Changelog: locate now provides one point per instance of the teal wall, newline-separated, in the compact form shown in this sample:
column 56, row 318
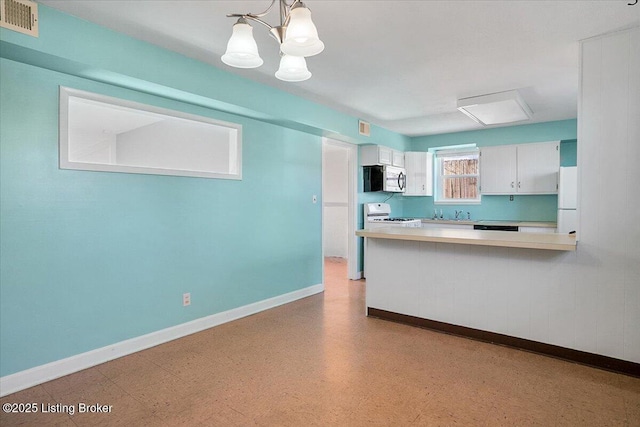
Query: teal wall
column 94, row 258
column 537, row 132
column 88, row 259
column 569, row 153
column 522, row 208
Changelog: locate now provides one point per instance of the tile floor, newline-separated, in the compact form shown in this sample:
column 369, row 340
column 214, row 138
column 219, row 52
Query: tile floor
column 320, row 361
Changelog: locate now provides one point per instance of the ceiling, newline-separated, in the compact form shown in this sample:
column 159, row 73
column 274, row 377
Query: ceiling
column 401, row 65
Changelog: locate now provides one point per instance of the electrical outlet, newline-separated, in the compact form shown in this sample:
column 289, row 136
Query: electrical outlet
column 186, row 299
column 511, row 198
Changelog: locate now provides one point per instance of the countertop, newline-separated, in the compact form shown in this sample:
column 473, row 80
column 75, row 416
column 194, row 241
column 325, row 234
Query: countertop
column 508, row 239
column 539, row 224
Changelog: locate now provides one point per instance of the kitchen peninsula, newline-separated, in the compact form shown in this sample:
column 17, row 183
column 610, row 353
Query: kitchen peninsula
column 548, row 241
column 496, row 286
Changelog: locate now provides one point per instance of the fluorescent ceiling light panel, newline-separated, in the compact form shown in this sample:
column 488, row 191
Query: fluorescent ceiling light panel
column 496, row 108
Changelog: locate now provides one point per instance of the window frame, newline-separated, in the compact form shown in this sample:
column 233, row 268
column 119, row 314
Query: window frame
column 439, row 156
column 65, row 93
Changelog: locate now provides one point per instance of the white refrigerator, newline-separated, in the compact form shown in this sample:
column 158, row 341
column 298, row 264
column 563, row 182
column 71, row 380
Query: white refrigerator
column 567, row 199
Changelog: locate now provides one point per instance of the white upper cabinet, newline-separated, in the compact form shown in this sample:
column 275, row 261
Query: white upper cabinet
column 398, row 159
column 419, row 166
column 372, row 155
column 520, row 169
column 498, row 173
column 538, row 168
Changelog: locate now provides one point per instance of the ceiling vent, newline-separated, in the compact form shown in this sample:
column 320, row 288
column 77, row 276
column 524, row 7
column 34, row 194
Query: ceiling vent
column 19, row 15
column 364, row 128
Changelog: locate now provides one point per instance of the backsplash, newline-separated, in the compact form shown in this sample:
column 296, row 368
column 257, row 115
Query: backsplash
column 522, row 208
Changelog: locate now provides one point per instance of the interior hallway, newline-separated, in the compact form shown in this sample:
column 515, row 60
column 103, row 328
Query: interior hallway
column 321, row 361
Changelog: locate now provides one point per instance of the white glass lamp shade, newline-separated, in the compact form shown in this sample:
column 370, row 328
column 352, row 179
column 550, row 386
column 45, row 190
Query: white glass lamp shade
column 301, row 37
column 242, row 50
column 293, row 69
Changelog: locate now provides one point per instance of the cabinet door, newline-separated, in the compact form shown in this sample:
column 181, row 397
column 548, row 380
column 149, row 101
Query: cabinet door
column 411, row 165
column 419, row 166
column 538, row 167
column 427, row 185
column 371, row 155
column 398, row 158
column 498, row 170
column 385, row 155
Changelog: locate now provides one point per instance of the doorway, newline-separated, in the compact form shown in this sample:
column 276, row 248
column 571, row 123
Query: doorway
column 339, row 192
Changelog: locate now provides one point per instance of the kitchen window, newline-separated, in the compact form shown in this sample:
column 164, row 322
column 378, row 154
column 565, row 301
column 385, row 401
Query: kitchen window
column 457, row 177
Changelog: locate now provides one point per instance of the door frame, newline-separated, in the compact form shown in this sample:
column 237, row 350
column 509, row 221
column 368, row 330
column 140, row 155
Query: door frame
column 352, row 214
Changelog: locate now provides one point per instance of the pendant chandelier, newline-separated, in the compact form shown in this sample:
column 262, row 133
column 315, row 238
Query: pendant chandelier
column 296, row 35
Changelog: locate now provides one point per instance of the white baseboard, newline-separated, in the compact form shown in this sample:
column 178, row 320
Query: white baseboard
column 43, row 373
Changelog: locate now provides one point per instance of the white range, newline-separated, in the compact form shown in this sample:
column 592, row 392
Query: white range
column 378, row 215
